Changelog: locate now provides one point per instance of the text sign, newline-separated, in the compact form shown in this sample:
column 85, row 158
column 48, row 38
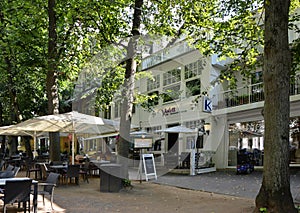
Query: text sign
column 207, row 104
column 142, row 142
column 149, row 166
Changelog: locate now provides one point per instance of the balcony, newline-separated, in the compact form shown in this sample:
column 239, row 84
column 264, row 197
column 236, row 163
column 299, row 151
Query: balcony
column 250, row 94
column 166, row 54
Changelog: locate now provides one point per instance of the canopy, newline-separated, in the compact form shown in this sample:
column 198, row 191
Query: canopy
column 73, row 122
column 68, row 122
column 177, row 129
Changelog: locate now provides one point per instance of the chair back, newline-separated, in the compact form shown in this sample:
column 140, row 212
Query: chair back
column 7, row 174
column 2, row 162
column 16, row 170
column 44, row 170
column 53, row 179
column 9, row 168
column 73, row 171
column 17, row 191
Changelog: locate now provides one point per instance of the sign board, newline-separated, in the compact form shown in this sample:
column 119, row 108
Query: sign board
column 142, row 142
column 149, row 166
column 207, row 104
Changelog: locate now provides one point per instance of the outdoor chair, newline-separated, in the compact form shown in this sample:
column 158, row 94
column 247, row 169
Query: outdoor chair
column 94, row 169
column 31, row 167
column 9, row 168
column 72, row 173
column 47, row 187
column 2, row 162
column 85, row 171
column 16, row 170
column 16, row 191
column 8, row 172
column 44, row 171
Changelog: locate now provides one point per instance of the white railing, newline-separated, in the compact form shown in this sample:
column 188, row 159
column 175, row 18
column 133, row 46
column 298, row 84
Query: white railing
column 250, row 94
column 166, row 54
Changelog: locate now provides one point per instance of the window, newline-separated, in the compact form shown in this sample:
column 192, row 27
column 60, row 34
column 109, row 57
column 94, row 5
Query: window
column 257, row 77
column 193, row 87
column 171, row 93
column 194, row 69
column 153, row 100
column 117, row 110
column 153, row 83
column 172, row 76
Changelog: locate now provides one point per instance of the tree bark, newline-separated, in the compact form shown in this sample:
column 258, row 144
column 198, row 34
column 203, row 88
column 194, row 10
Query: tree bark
column 275, row 194
column 128, row 88
column 51, row 81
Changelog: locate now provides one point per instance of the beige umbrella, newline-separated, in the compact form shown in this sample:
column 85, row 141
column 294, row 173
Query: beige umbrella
column 72, row 122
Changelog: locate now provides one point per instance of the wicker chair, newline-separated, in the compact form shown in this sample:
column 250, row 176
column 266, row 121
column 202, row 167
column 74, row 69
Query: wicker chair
column 47, row 187
column 17, row 191
column 73, row 173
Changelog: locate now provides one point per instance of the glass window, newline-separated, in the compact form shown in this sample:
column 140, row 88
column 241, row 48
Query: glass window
column 117, row 110
column 257, row 77
column 153, row 83
column 194, row 69
column 172, row 76
column 193, row 87
column 171, row 93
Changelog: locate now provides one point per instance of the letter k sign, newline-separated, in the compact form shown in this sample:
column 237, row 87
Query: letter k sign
column 207, row 104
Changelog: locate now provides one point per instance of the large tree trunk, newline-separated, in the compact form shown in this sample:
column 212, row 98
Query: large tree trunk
column 128, row 88
column 275, row 194
column 51, row 81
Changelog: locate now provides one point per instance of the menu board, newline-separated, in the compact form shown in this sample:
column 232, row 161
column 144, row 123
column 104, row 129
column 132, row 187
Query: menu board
column 149, row 166
column 142, row 142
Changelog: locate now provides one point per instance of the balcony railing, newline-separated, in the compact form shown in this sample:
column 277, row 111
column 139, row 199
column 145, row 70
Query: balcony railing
column 166, row 54
column 250, row 94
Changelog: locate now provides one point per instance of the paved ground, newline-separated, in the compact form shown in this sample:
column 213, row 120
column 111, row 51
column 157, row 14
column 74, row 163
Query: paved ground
column 221, row 191
column 227, row 182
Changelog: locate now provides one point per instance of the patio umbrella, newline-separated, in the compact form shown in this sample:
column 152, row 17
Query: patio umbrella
column 72, row 122
column 177, row 129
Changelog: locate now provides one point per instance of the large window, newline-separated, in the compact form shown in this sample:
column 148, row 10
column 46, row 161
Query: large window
column 117, row 110
column 194, row 69
column 171, row 93
column 153, row 83
column 172, row 76
column 193, row 87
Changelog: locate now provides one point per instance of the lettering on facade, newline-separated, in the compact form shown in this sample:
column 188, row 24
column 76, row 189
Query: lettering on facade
column 207, row 104
column 169, row 111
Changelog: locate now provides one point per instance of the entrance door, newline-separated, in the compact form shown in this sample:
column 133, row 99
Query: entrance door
column 173, row 148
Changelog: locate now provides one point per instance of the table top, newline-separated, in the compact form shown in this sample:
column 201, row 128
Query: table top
column 100, row 161
column 3, row 180
column 59, row 166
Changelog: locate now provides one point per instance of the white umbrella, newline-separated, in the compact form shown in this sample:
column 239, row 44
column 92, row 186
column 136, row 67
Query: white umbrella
column 73, row 122
column 177, row 129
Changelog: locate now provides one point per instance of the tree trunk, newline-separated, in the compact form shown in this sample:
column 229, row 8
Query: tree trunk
column 128, row 88
column 51, row 81
column 275, row 194
column 28, row 149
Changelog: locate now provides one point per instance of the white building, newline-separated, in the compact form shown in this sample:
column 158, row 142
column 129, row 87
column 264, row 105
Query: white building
column 183, row 79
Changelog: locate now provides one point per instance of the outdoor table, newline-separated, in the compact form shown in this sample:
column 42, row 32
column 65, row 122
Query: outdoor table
column 59, row 168
column 35, row 188
column 98, row 163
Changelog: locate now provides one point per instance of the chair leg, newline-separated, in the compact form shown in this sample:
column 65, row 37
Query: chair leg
column 44, row 200
column 51, row 199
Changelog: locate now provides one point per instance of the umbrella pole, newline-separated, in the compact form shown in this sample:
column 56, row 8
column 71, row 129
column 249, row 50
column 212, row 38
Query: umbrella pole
column 73, row 148
column 34, row 144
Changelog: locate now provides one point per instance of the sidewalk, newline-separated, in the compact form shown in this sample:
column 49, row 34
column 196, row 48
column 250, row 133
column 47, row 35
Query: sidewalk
column 223, row 182
column 227, row 182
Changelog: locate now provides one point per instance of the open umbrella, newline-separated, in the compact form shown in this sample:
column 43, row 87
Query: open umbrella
column 72, row 122
column 177, row 129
